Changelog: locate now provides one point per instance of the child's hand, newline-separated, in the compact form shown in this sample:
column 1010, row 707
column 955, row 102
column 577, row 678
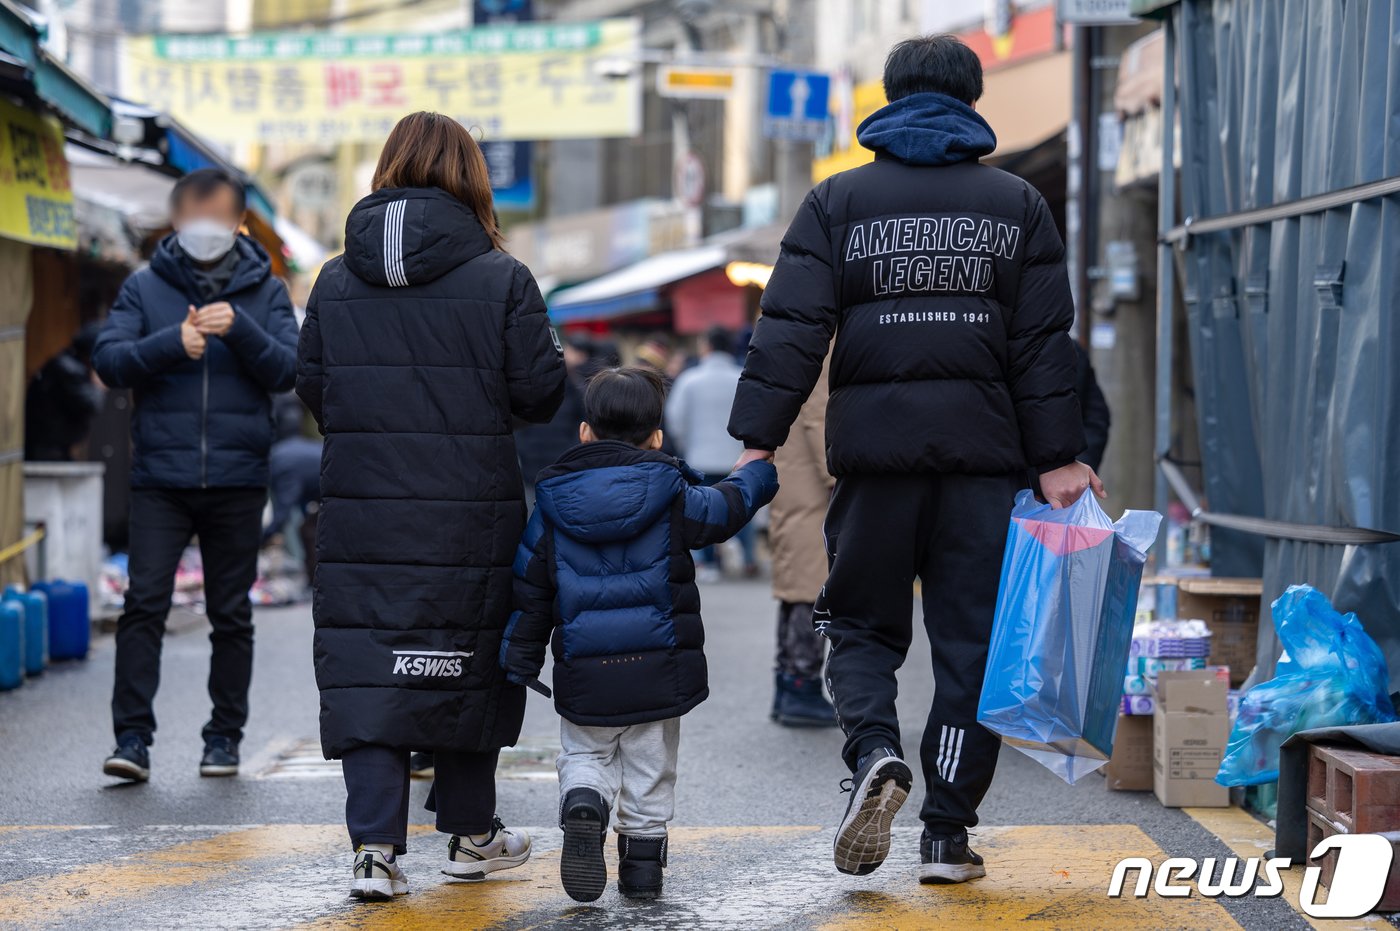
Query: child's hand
column 753, row 455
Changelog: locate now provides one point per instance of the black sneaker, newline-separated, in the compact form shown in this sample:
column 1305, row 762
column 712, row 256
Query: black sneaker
column 584, row 817
column 220, row 757
column 131, row 760
column 640, row 861
column 802, row 703
column 881, row 784
column 421, row 765
column 947, row 859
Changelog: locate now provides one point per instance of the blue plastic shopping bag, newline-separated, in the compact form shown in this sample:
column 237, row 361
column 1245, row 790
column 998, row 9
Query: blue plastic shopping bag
column 1332, row 674
column 1064, row 622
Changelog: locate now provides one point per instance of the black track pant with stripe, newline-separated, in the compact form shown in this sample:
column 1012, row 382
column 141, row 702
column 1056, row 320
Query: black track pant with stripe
column 883, row 532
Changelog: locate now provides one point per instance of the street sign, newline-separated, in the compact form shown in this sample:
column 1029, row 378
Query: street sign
column 508, row 163
column 687, row 81
column 501, row 12
column 1095, row 12
column 688, row 180
column 798, row 105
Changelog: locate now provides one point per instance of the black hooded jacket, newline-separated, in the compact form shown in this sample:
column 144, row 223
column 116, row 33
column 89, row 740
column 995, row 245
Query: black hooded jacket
column 944, row 284
column 207, row 422
column 420, row 345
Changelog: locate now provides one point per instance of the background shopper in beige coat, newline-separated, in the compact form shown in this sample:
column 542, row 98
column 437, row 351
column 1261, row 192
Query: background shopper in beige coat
column 800, row 565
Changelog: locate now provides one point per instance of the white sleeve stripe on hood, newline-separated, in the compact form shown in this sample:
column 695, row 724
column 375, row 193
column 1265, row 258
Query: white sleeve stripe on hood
column 393, row 244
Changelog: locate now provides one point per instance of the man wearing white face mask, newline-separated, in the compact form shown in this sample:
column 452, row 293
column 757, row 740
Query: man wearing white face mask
column 203, row 336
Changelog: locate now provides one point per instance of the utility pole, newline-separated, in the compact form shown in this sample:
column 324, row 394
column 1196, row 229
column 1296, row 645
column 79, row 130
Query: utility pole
column 793, row 171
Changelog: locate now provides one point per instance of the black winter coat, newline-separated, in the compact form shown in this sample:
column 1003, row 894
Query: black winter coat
column 420, row 345
column 539, row 445
column 944, row 283
column 199, row 423
column 605, row 571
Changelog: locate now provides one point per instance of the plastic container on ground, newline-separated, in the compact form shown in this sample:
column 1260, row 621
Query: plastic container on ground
column 11, row 645
column 36, row 627
column 70, row 618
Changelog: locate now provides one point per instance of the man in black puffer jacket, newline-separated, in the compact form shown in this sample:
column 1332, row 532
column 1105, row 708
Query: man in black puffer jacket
column 203, row 336
column 952, row 375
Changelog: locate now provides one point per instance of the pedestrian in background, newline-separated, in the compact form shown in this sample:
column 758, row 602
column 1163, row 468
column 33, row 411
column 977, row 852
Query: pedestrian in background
column 605, row 558
column 1093, row 407
column 421, row 344
column 799, row 566
column 62, row 401
column 540, row 444
column 943, row 282
column 203, row 336
column 697, row 414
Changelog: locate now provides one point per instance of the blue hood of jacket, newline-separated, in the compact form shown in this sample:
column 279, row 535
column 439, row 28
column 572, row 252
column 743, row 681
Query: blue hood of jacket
column 608, row 491
column 927, row 129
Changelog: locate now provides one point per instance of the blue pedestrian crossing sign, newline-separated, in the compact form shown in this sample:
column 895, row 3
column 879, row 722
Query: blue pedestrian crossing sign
column 798, row 105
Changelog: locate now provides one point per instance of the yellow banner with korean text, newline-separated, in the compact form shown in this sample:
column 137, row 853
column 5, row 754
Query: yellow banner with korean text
column 36, row 197
column 532, row 81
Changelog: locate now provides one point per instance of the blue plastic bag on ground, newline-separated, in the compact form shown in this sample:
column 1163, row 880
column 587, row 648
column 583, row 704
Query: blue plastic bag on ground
column 1063, row 626
column 1332, row 674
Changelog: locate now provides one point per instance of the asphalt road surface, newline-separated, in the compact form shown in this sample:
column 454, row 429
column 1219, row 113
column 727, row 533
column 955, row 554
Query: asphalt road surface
column 756, row 804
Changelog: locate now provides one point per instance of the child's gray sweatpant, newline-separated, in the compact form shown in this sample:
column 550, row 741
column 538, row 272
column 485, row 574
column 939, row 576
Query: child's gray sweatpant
column 634, row 766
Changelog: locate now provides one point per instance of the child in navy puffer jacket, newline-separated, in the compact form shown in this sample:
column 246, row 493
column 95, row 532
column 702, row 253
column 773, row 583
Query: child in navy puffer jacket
column 604, row 572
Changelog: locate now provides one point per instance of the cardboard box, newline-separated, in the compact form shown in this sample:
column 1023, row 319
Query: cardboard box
column 1190, row 728
column 1230, row 607
column 1130, row 767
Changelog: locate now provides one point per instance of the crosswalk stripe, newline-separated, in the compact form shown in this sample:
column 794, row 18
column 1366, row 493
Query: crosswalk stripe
column 279, row 876
column 186, row 864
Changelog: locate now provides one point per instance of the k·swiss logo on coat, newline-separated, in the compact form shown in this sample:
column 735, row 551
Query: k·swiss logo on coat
column 428, row 663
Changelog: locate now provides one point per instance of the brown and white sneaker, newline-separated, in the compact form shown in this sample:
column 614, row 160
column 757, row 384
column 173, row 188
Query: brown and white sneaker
column 879, row 787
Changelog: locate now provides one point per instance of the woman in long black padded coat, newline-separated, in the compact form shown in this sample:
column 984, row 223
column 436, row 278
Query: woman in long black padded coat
column 421, row 344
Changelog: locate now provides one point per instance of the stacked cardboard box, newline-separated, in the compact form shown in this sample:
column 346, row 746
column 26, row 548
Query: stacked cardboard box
column 1190, row 727
column 1230, row 607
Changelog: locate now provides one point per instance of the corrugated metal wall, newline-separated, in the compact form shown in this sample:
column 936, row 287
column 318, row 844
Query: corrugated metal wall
column 1296, row 323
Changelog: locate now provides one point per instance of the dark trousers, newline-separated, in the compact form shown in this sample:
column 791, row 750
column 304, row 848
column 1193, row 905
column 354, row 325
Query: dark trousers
column 801, row 649
column 228, row 522
column 376, row 799
column 949, row 531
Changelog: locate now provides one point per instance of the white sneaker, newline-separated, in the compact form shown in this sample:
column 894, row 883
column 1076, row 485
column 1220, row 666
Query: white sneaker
column 505, row 848
column 376, row 877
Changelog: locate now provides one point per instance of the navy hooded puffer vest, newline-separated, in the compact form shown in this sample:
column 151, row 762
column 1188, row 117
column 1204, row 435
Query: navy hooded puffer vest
column 605, row 572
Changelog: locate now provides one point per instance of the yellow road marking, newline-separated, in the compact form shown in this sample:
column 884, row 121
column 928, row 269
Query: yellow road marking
column 46, row 898
column 1052, row 875
column 739, row 877
column 1246, row 836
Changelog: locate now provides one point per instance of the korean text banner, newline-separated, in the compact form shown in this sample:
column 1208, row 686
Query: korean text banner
column 533, row 81
column 36, row 198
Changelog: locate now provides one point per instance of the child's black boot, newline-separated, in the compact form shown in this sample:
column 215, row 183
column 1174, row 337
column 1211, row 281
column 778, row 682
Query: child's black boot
column 584, row 817
column 640, row 861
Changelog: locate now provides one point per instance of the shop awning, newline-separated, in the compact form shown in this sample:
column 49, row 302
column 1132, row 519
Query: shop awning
column 636, row 289
column 116, row 203
column 77, row 102
column 183, row 151
column 304, row 250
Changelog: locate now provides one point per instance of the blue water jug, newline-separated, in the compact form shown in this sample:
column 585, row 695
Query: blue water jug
column 36, row 628
column 11, row 645
column 70, row 627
